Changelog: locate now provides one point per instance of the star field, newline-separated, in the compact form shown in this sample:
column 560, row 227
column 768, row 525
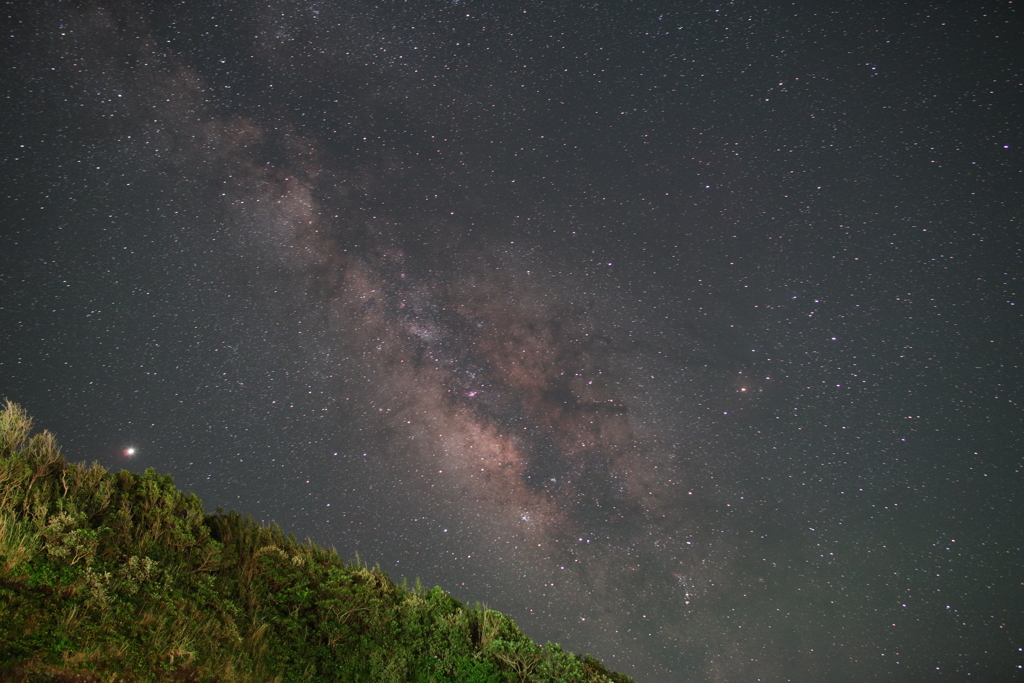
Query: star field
column 686, row 334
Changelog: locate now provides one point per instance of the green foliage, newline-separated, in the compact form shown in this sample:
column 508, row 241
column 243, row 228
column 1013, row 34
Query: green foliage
column 123, row 577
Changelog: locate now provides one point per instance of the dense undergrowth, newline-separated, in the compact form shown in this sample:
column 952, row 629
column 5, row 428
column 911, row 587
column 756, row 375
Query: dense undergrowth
column 122, row 577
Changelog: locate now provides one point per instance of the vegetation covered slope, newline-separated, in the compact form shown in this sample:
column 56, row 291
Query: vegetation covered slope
column 123, row 577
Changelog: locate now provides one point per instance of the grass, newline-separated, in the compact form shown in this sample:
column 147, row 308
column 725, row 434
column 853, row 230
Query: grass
column 122, row 577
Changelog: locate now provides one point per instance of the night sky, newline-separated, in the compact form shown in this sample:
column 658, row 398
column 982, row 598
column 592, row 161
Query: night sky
column 686, row 333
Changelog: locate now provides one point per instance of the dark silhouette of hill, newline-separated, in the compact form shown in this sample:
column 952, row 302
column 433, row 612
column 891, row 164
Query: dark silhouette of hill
column 123, row 577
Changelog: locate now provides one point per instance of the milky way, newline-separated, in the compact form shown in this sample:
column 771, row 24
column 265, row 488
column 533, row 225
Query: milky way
column 687, row 335
column 520, row 385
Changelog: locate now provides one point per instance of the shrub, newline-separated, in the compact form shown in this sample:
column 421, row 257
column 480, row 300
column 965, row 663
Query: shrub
column 123, row 577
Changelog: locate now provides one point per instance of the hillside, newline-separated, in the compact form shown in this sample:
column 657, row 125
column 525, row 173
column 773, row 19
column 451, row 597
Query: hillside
column 123, row 577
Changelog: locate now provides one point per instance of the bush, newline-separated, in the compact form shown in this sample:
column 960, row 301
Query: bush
column 123, row 577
